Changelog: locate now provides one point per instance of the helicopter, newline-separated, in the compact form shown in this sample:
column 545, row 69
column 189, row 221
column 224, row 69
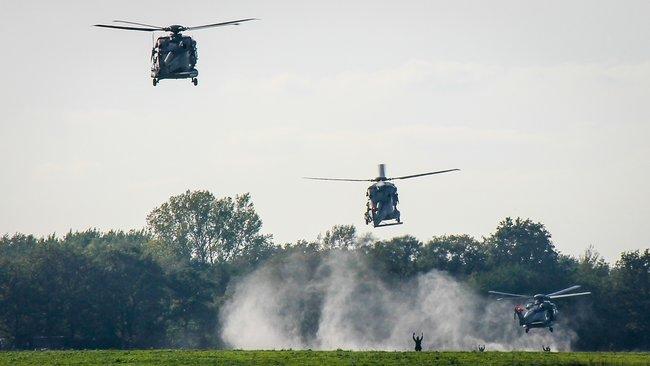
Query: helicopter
column 173, row 56
column 539, row 311
column 381, row 208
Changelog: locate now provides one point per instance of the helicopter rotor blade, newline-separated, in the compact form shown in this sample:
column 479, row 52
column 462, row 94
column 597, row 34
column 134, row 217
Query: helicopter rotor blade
column 575, row 287
column 341, row 179
column 508, row 294
column 233, row 22
column 423, row 174
column 570, row 295
column 128, row 28
column 134, row 23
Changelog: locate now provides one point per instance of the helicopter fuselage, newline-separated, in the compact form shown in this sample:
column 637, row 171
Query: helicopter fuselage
column 536, row 315
column 382, row 204
column 174, row 57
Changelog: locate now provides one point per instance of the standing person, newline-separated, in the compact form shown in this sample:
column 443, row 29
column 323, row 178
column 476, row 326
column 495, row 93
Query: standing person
column 418, row 342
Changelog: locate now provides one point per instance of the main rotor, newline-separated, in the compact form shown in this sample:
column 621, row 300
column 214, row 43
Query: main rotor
column 174, row 29
column 382, row 176
column 543, row 297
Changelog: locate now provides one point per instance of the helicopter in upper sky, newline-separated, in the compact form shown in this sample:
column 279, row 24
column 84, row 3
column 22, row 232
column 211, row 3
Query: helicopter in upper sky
column 539, row 311
column 173, row 56
column 382, row 196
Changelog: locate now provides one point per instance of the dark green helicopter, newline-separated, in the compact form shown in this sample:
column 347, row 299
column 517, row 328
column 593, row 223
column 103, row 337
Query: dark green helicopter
column 382, row 196
column 173, row 56
column 539, row 311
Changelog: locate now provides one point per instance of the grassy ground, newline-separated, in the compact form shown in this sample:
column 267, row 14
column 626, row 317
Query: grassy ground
column 178, row 357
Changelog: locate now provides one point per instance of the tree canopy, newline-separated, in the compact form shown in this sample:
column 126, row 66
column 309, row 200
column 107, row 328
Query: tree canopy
column 197, row 226
column 163, row 286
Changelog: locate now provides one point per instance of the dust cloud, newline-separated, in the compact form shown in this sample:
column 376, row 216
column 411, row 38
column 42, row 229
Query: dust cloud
column 337, row 301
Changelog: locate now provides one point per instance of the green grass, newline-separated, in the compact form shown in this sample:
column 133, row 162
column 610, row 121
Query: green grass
column 182, row 357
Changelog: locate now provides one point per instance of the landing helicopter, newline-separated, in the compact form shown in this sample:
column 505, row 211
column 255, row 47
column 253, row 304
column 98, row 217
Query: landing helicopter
column 539, row 311
column 173, row 56
column 382, row 196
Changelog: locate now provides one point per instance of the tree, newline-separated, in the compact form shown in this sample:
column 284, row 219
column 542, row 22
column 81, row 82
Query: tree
column 396, row 258
column 197, row 226
column 192, row 314
column 340, row 237
column 92, row 289
column 457, row 254
column 631, row 291
column 132, row 298
column 108, row 289
column 594, row 315
column 522, row 242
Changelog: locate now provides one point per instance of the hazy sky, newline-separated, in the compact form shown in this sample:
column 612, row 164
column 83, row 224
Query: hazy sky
column 544, row 105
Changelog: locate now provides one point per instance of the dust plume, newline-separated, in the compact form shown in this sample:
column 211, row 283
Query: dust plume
column 339, row 302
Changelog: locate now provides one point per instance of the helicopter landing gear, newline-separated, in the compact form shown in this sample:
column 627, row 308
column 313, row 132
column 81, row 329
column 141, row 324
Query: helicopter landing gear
column 155, row 81
column 550, row 329
column 195, row 81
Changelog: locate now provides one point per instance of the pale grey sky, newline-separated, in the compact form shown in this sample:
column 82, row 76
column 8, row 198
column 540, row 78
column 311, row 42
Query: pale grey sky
column 544, row 105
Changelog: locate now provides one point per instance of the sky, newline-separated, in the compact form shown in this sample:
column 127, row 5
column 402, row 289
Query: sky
column 544, row 106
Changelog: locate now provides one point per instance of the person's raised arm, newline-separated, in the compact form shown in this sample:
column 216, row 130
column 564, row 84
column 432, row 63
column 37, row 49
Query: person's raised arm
column 414, row 337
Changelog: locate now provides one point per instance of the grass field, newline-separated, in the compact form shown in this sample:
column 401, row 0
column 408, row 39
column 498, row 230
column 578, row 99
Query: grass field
column 182, row 357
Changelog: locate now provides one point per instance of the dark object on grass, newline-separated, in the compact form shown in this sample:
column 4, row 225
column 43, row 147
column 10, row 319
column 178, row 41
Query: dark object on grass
column 418, row 342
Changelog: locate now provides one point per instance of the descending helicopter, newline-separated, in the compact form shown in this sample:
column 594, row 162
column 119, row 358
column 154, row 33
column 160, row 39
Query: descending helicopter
column 382, row 196
column 173, row 56
column 539, row 311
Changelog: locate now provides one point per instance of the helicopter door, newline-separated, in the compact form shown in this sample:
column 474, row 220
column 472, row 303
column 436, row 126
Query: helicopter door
column 160, row 52
column 371, row 205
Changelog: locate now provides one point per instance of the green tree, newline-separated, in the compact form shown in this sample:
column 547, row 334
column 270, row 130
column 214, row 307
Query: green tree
column 631, row 278
column 192, row 315
column 456, row 254
column 396, row 258
column 340, row 237
column 522, row 242
column 197, row 226
column 594, row 316
column 132, row 298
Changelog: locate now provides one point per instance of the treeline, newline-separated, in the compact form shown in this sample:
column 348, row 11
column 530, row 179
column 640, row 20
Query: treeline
column 164, row 286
